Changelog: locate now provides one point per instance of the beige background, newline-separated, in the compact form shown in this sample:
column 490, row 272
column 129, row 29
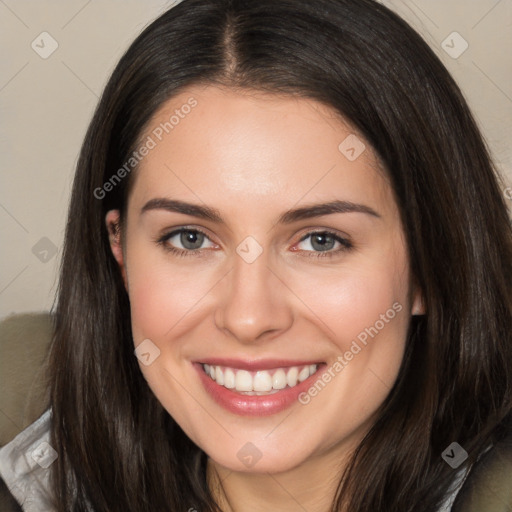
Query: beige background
column 46, row 104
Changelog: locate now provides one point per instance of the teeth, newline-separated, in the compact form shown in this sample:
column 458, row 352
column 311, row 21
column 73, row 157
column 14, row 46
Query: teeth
column 291, row 376
column 219, row 376
column 243, row 381
column 229, row 378
column 261, row 382
column 304, row 374
column 279, row 379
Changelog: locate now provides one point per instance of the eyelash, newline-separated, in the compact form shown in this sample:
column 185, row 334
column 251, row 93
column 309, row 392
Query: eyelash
column 346, row 245
column 181, row 252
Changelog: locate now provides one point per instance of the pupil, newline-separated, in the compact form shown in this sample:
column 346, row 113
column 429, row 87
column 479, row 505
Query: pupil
column 191, row 239
column 322, row 242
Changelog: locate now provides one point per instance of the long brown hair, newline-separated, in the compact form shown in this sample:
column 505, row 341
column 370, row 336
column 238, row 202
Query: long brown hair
column 119, row 450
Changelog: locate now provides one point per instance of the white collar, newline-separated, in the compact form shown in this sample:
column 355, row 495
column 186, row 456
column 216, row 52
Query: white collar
column 24, row 464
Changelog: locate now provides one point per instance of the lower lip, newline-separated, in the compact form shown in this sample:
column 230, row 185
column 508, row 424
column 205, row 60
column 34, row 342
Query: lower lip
column 254, row 405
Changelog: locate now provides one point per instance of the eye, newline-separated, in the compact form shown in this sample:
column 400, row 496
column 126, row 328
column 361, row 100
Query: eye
column 324, row 243
column 190, row 242
column 185, row 240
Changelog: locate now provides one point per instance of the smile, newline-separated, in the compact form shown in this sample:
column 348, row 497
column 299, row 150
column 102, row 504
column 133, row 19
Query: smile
column 256, row 388
column 261, row 382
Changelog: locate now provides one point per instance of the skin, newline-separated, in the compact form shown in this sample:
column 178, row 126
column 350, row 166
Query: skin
column 253, row 156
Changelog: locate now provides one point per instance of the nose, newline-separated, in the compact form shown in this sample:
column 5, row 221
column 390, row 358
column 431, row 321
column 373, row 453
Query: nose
column 255, row 304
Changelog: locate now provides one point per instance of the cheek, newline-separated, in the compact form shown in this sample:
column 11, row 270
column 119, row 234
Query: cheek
column 364, row 313
column 163, row 296
column 363, row 310
column 349, row 303
column 159, row 305
column 166, row 303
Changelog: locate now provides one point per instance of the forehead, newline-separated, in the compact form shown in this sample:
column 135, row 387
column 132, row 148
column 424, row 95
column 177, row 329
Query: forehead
column 210, row 142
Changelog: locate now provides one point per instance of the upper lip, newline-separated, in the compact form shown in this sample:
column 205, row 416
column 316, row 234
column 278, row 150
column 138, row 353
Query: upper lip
column 254, row 365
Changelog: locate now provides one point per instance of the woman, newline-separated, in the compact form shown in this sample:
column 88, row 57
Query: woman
column 286, row 276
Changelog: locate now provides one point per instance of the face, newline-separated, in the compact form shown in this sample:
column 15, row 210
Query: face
column 263, row 247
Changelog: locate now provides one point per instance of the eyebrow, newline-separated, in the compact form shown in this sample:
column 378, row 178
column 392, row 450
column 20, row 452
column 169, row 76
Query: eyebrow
column 289, row 217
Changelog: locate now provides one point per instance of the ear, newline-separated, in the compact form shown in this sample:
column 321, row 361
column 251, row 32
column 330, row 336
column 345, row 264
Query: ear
column 418, row 303
column 113, row 223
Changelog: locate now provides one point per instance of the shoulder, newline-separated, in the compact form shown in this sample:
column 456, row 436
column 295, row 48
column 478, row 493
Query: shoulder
column 24, row 466
column 488, row 485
